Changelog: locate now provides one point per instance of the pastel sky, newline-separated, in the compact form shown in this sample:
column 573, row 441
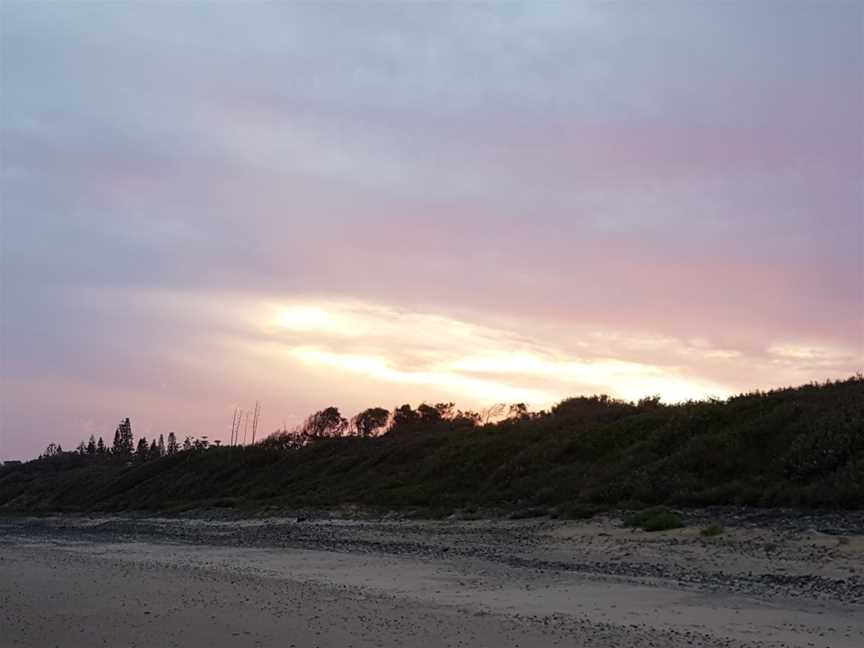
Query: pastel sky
column 205, row 204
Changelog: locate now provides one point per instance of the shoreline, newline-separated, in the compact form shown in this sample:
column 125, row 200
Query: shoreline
column 585, row 583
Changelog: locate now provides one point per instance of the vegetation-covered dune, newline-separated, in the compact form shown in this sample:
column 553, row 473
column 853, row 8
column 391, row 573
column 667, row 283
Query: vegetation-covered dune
column 799, row 447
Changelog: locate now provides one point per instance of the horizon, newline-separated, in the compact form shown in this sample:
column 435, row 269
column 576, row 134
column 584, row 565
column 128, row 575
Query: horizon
column 495, row 414
column 320, row 205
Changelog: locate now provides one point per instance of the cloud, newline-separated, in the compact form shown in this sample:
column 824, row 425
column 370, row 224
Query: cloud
column 477, row 363
column 474, row 362
column 815, row 357
column 319, row 203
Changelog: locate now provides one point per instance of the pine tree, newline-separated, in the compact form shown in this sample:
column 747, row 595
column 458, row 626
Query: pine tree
column 81, row 449
column 187, row 443
column 91, row 446
column 52, row 450
column 124, row 443
column 172, row 444
column 142, row 450
column 153, row 453
column 126, row 434
column 161, row 446
column 100, row 447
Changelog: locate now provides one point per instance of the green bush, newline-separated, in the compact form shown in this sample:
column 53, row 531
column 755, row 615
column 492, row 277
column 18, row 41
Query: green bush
column 654, row 519
column 711, row 531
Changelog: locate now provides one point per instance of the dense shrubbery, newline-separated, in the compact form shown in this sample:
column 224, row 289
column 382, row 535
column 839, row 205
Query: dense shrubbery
column 789, row 447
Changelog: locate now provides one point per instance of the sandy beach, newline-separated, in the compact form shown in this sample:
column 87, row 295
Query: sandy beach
column 81, row 581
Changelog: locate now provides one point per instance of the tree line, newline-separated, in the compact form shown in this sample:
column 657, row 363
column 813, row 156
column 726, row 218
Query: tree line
column 328, row 423
column 801, row 446
column 125, row 448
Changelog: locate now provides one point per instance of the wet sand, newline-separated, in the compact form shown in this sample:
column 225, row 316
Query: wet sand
column 121, row 581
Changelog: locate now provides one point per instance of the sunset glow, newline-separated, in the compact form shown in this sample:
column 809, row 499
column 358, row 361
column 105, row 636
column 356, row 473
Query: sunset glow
column 323, row 204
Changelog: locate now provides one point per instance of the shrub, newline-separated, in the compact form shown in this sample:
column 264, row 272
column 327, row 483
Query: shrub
column 657, row 518
column 711, row 531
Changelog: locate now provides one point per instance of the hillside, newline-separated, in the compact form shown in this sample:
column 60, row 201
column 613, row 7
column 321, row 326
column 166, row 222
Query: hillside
column 798, row 447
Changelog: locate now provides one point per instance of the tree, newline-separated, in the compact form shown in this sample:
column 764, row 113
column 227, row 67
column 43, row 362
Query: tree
column 518, row 411
column 81, row 449
column 434, row 413
column 367, row 422
column 428, row 414
column 161, row 446
column 187, row 443
column 142, row 450
column 649, row 402
column 52, row 450
column 404, row 416
column 153, row 452
column 326, row 424
column 123, row 439
column 172, row 447
column 493, row 412
column 284, row 440
column 466, row 418
column 100, row 447
column 91, row 446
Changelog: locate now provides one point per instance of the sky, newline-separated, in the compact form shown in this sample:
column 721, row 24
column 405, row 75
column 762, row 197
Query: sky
column 373, row 203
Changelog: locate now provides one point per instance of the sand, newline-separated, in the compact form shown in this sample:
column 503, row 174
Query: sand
column 120, row 581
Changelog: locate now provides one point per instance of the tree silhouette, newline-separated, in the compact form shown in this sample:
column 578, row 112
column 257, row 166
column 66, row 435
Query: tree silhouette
column 142, row 450
column 367, row 422
column 403, row 417
column 435, row 413
column 123, row 440
column 172, row 447
column 161, row 446
column 467, row 418
column 53, row 450
column 494, row 412
column 100, row 447
column 649, row 402
column 91, row 446
column 284, row 440
column 326, row 424
column 518, row 411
